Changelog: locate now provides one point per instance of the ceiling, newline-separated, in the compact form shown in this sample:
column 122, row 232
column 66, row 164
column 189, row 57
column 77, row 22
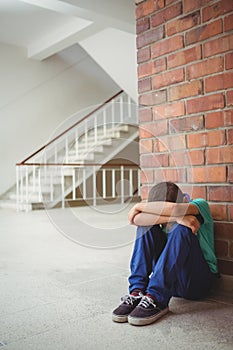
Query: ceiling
column 45, row 27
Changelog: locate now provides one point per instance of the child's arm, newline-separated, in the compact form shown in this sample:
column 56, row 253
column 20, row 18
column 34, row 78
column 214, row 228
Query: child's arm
column 145, row 219
column 164, row 209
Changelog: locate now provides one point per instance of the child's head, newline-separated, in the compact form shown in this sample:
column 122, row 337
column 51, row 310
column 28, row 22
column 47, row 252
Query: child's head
column 166, row 192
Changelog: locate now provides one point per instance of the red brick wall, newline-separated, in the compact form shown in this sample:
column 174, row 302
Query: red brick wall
column 185, row 84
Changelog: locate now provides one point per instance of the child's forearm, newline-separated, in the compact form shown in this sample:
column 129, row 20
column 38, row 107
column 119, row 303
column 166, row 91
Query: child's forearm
column 145, row 219
column 167, row 208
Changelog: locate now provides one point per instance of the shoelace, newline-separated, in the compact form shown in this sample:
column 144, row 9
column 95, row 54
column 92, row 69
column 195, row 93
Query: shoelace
column 146, row 302
column 129, row 299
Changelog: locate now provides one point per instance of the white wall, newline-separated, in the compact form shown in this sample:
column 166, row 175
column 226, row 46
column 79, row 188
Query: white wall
column 36, row 97
column 115, row 51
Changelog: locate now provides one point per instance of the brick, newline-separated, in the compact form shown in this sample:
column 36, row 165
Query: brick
column 230, row 136
column 145, row 191
column 219, row 82
column 221, row 248
column 154, row 129
column 229, row 98
column 206, row 67
column 185, row 90
column 221, row 193
column 195, row 191
column 142, row 25
column 229, row 60
column 194, row 4
column 169, row 110
column 147, row 176
column 165, row 46
column 223, row 230
column 228, row 117
column 145, row 146
column 144, row 133
column 150, row 37
column 218, row 211
column 186, row 124
column 159, row 4
column 159, row 65
column 168, row 78
column 217, row 9
column 219, row 119
column 228, row 23
column 230, row 211
column 209, row 138
column 174, row 175
column 205, row 103
column 231, row 250
column 154, row 160
column 145, row 115
column 145, row 8
column 166, row 14
column 173, row 142
column 153, row 98
column 204, row 32
column 214, row 120
column 144, row 85
column 184, row 57
column 152, row 67
column 160, row 146
column 225, row 267
column 219, row 155
column 206, row 174
column 186, row 158
column 143, row 55
column 184, row 23
column 230, row 173
column 145, row 69
column 219, row 45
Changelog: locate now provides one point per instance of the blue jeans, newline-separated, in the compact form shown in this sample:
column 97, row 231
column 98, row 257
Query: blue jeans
column 169, row 265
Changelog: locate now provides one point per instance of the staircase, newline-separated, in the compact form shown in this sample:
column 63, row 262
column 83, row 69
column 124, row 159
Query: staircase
column 77, row 166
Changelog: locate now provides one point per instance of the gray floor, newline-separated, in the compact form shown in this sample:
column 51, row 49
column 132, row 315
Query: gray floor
column 63, row 271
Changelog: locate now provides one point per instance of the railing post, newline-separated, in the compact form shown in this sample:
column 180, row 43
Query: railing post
column 104, row 182
column 130, row 182
column 73, row 185
column 122, row 184
column 113, row 184
column 62, row 189
column 94, row 186
column 84, row 185
column 104, row 122
column 121, row 109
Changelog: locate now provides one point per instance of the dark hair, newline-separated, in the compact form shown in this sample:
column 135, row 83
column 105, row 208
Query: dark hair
column 166, row 192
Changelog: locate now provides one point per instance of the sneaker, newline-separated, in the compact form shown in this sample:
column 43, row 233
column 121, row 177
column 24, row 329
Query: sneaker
column 129, row 302
column 146, row 312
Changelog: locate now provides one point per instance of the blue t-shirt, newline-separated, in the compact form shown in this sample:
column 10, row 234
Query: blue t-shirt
column 205, row 233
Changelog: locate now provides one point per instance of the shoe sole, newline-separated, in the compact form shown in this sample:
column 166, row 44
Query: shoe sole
column 139, row 321
column 120, row 319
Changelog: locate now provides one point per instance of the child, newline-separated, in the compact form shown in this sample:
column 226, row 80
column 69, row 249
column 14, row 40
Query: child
column 173, row 254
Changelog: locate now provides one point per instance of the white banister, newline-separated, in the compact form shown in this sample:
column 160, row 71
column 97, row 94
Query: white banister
column 79, row 145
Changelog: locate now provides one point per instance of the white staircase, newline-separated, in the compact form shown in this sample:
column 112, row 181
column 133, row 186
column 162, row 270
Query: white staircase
column 74, row 167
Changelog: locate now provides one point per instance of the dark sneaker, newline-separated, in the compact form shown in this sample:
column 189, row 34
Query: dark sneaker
column 129, row 302
column 146, row 312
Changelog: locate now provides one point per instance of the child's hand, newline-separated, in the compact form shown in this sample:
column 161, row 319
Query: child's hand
column 189, row 221
column 132, row 213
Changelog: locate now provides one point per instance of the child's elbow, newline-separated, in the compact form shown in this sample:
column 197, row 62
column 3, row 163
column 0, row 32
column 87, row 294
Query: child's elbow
column 138, row 220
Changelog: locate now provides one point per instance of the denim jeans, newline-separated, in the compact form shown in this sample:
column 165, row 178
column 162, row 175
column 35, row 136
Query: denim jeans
column 166, row 265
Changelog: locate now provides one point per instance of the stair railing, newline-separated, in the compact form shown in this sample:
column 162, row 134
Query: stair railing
column 97, row 124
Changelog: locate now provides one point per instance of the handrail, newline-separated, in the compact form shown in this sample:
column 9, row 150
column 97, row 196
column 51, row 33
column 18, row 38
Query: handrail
column 68, row 129
column 79, row 164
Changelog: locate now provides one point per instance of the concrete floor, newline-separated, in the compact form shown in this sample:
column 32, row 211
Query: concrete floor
column 62, row 273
